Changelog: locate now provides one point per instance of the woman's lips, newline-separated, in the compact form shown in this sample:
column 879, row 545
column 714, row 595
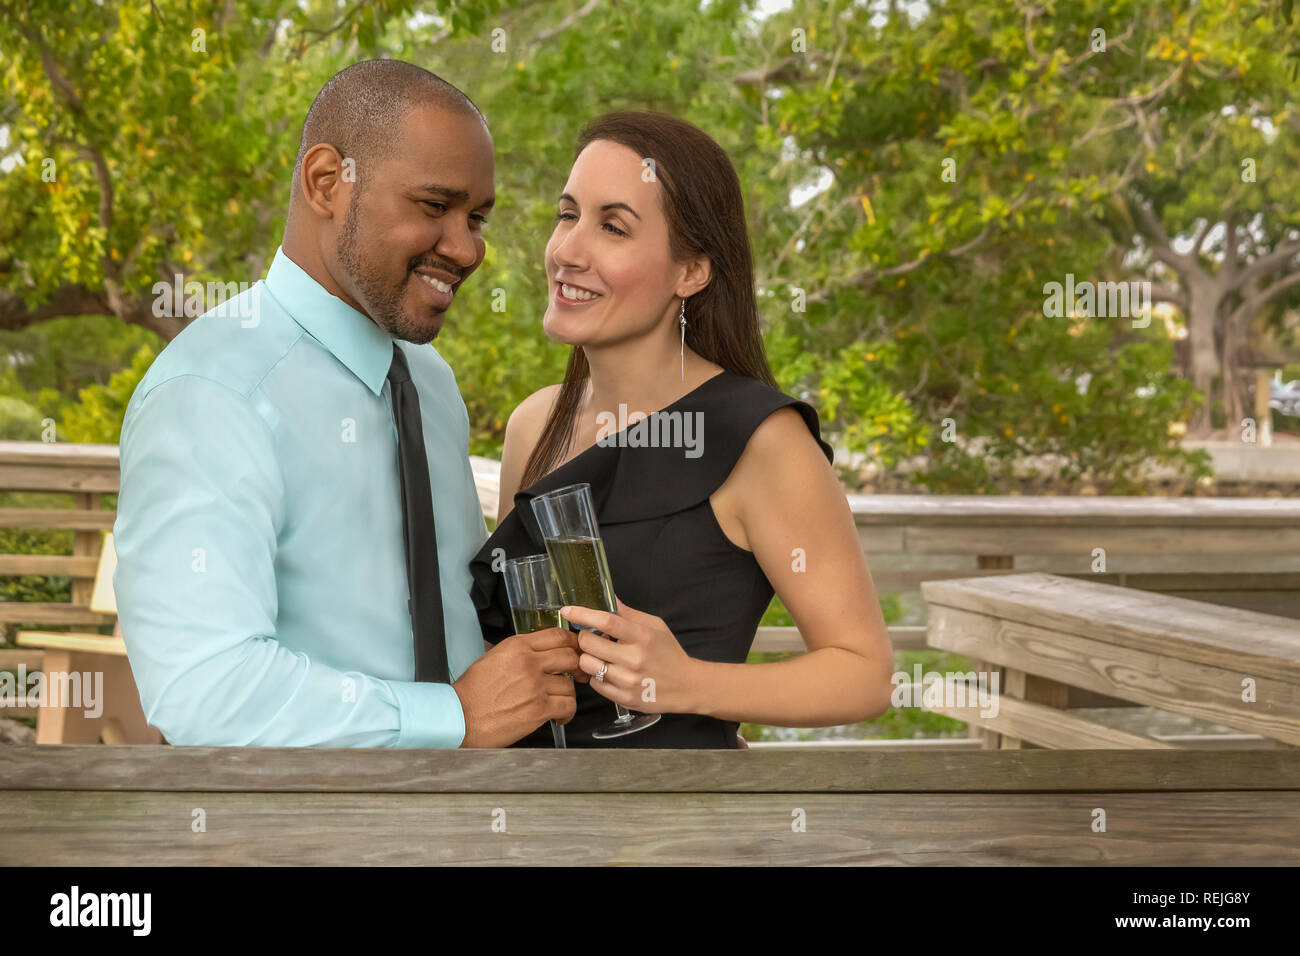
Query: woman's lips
column 562, row 299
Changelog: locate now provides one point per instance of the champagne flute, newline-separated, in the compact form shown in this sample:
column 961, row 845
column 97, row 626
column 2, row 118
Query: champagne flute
column 535, row 605
column 567, row 519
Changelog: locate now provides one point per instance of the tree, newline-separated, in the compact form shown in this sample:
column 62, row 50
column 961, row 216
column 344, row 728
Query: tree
column 154, row 140
column 914, row 180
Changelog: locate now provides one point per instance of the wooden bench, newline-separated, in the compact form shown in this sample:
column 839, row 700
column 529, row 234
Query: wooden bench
column 122, row 719
column 1059, row 643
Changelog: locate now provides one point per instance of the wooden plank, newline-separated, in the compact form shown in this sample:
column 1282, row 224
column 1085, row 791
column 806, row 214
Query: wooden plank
column 72, row 641
column 102, row 598
column 355, row 770
column 59, row 519
column 1076, row 566
column 1242, row 641
column 1016, row 539
column 1197, row 741
column 788, row 639
column 43, row 478
column 1222, row 580
column 59, row 454
column 1112, row 510
column 1153, row 679
column 86, row 544
column 1276, row 603
column 57, row 612
column 881, row 539
column 56, row 564
column 874, row 743
column 155, row 829
column 30, row 658
column 893, row 582
column 1047, row 726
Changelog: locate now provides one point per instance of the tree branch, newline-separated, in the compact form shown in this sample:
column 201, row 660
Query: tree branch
column 1274, row 261
column 567, row 22
column 1253, row 303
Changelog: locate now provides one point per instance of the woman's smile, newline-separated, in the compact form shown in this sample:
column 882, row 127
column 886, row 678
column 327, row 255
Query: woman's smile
column 574, row 297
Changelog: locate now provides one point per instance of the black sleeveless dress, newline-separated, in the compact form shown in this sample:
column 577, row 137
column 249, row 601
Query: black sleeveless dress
column 667, row 554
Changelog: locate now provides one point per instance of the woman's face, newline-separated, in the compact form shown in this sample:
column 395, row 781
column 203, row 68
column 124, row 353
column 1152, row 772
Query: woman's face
column 609, row 273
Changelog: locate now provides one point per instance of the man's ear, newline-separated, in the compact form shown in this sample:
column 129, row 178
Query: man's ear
column 322, row 184
column 696, row 276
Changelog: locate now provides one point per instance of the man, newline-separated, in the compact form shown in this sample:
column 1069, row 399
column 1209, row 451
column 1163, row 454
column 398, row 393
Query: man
column 290, row 460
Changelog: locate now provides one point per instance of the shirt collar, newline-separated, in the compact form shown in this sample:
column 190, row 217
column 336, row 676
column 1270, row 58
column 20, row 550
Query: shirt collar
column 362, row 346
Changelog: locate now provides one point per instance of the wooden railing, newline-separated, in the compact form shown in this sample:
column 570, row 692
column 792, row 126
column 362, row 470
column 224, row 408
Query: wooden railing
column 1056, row 644
column 1232, row 552
column 81, row 805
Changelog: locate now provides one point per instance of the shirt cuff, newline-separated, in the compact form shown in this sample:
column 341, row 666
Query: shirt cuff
column 430, row 715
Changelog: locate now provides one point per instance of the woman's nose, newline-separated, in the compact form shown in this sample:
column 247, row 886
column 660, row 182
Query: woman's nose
column 571, row 248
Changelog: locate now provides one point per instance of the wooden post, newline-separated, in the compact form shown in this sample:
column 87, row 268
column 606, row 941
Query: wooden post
column 988, row 739
column 122, row 718
column 85, row 544
column 1035, row 689
column 1263, row 414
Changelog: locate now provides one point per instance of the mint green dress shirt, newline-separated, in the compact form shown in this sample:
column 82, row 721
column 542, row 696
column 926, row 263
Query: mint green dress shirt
column 261, row 577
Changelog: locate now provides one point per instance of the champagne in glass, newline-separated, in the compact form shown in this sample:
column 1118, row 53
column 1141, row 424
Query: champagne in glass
column 567, row 519
column 535, row 605
column 530, row 619
column 581, row 564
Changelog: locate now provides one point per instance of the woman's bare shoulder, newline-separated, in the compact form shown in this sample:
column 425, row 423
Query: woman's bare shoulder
column 529, row 416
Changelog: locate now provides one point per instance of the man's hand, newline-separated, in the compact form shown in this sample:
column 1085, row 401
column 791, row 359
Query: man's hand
column 517, row 686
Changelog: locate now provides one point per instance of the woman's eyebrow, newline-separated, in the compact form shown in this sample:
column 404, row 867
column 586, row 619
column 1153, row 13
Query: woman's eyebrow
column 607, row 206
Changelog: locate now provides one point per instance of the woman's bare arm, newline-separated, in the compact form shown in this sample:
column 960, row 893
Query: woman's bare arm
column 799, row 526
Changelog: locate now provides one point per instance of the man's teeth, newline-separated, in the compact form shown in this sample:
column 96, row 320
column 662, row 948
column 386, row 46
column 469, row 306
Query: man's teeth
column 571, row 292
column 440, row 286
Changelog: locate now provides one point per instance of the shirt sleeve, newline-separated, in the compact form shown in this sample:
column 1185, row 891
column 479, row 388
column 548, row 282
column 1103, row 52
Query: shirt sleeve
column 200, row 507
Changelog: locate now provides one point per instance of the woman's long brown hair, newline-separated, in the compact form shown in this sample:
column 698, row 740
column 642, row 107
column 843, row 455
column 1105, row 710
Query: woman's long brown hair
column 701, row 199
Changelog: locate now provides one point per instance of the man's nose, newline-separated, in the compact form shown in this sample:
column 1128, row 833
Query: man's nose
column 457, row 244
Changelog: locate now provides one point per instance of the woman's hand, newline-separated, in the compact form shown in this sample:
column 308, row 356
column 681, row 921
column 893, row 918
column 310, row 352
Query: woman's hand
column 648, row 670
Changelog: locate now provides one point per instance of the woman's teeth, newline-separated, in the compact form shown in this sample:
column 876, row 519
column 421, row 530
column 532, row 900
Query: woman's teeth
column 572, row 292
column 440, row 286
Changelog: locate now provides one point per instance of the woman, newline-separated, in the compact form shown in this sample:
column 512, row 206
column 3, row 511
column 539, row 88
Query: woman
column 650, row 278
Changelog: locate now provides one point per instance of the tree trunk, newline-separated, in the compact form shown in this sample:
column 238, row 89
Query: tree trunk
column 1202, row 356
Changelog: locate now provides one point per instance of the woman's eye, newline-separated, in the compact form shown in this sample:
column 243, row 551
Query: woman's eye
column 614, row 229
column 564, row 215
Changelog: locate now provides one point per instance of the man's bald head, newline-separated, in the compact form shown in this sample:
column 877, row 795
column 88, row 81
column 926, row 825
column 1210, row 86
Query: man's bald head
column 358, row 111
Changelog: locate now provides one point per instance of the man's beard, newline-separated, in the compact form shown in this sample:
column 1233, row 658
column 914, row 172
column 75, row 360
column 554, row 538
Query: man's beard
column 383, row 302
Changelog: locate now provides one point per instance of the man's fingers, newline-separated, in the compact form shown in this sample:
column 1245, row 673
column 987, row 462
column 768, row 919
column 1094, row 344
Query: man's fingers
column 557, row 660
column 557, row 685
column 549, row 638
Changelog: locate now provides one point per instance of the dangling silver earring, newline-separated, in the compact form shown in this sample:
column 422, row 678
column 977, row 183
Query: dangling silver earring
column 682, row 322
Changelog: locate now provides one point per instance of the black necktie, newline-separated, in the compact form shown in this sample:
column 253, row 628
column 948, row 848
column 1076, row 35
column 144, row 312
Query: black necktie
column 418, row 533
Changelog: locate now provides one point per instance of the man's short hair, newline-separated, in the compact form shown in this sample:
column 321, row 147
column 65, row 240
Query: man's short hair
column 358, row 111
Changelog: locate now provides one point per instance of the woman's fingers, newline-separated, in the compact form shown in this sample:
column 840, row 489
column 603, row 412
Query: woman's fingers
column 602, row 621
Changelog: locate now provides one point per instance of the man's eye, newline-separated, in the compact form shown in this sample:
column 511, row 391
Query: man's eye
column 429, row 202
column 482, row 220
